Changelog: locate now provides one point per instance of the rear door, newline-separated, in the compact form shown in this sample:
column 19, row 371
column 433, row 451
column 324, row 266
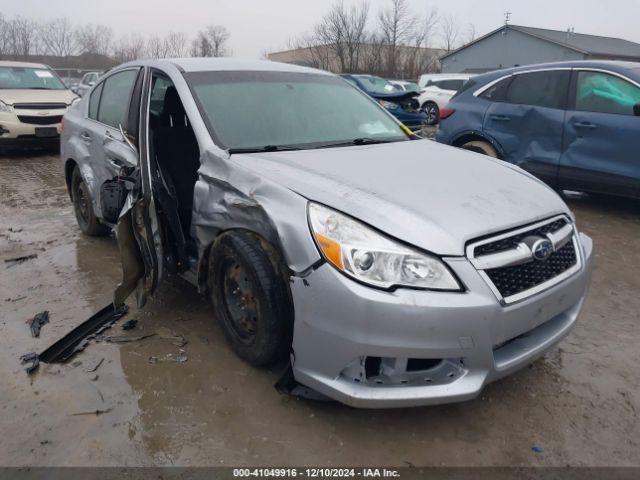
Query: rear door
column 601, row 135
column 526, row 118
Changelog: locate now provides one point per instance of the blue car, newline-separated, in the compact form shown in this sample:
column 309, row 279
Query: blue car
column 575, row 125
column 401, row 104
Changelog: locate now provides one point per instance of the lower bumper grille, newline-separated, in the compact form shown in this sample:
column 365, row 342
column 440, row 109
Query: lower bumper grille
column 527, row 260
column 33, row 120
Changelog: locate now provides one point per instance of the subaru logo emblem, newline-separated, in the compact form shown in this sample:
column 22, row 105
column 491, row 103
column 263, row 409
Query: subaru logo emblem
column 542, row 249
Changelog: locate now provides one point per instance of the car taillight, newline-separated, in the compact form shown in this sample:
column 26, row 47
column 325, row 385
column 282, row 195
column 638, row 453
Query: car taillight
column 446, row 112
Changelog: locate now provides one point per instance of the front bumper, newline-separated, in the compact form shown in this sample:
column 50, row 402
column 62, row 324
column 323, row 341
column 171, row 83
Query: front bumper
column 340, row 323
column 14, row 133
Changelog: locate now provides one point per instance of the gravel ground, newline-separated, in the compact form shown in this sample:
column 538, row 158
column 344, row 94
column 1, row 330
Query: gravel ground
column 578, row 405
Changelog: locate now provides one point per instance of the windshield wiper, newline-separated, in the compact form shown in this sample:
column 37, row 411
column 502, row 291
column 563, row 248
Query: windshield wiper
column 359, row 141
column 266, row 148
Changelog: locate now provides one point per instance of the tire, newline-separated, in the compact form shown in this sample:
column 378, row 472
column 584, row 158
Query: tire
column 83, row 207
column 482, row 147
column 251, row 298
column 432, row 111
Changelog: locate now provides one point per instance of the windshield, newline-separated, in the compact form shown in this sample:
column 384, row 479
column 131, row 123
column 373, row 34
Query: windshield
column 376, row 84
column 29, row 78
column 251, row 109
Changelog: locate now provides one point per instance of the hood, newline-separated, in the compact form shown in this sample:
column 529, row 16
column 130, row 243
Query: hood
column 430, row 195
column 11, row 96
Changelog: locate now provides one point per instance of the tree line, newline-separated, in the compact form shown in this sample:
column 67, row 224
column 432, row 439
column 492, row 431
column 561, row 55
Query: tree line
column 21, row 37
column 392, row 42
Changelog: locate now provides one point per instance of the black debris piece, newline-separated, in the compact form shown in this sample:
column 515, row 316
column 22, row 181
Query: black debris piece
column 12, row 262
column 31, row 358
column 126, row 339
column 77, row 339
column 94, row 412
column 37, row 322
column 95, row 367
column 130, row 324
column 289, row 386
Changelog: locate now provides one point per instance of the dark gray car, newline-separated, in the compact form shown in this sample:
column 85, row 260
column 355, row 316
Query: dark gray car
column 391, row 270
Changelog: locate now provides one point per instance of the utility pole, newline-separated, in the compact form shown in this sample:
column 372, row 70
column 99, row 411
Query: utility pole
column 507, row 18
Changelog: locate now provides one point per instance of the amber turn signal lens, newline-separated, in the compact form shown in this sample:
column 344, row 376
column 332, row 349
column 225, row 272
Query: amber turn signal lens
column 331, row 250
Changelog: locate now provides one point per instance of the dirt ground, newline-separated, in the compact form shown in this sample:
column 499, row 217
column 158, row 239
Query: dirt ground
column 579, row 405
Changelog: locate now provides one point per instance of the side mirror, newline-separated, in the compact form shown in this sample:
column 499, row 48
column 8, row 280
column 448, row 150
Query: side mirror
column 636, row 109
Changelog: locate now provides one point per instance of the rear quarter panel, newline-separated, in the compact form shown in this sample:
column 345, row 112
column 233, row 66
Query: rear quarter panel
column 468, row 118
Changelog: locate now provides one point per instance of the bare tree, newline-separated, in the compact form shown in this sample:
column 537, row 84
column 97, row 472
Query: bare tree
column 5, row 34
column 211, row 42
column 421, row 58
column 96, row 39
column 470, row 34
column 155, row 47
column 397, row 26
column 129, row 48
column 57, row 38
column 450, row 32
column 22, row 36
column 175, row 44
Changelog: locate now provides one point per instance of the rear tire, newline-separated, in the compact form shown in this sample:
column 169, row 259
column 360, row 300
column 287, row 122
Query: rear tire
column 83, row 207
column 480, row 146
column 432, row 111
column 251, row 298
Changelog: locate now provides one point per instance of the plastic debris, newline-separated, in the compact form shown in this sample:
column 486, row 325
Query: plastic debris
column 95, row 367
column 175, row 338
column 37, row 322
column 536, row 449
column 31, row 358
column 130, row 324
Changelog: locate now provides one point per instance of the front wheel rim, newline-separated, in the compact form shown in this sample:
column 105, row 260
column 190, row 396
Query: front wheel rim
column 240, row 302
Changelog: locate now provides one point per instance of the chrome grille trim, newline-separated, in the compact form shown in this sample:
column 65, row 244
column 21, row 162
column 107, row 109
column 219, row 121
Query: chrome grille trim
column 522, row 254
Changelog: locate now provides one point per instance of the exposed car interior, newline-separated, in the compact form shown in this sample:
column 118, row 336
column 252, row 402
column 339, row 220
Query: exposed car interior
column 175, row 149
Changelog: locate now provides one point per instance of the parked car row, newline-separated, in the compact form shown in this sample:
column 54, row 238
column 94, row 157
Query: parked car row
column 390, row 270
column 574, row 125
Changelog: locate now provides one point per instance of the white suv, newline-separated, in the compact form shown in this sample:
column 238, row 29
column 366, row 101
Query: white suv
column 437, row 90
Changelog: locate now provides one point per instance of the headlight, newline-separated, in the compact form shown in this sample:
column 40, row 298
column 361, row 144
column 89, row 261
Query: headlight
column 4, row 107
column 373, row 258
column 389, row 105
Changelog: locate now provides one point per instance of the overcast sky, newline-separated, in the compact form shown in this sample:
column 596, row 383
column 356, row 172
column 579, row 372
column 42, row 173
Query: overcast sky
column 266, row 25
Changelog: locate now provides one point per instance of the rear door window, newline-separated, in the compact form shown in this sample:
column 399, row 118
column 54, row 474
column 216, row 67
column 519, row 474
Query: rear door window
column 94, row 101
column 540, row 89
column 116, row 94
column 454, row 85
column 604, row 93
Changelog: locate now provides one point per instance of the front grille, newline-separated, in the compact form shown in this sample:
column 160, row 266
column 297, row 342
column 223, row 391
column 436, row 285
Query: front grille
column 33, row 120
column 512, row 242
column 519, row 278
column 506, row 260
column 39, row 106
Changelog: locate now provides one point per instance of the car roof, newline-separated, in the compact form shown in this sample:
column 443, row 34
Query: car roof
column 5, row 63
column 225, row 64
column 613, row 65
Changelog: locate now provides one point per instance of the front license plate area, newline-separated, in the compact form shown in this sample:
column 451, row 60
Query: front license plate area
column 46, row 132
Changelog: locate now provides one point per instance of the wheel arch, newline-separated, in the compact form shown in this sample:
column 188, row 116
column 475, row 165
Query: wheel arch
column 472, row 136
column 69, row 166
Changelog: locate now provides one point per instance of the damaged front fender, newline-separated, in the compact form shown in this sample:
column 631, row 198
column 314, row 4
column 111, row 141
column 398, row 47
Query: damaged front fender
column 229, row 196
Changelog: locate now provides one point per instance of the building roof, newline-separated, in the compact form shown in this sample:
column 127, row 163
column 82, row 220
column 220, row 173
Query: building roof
column 583, row 43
